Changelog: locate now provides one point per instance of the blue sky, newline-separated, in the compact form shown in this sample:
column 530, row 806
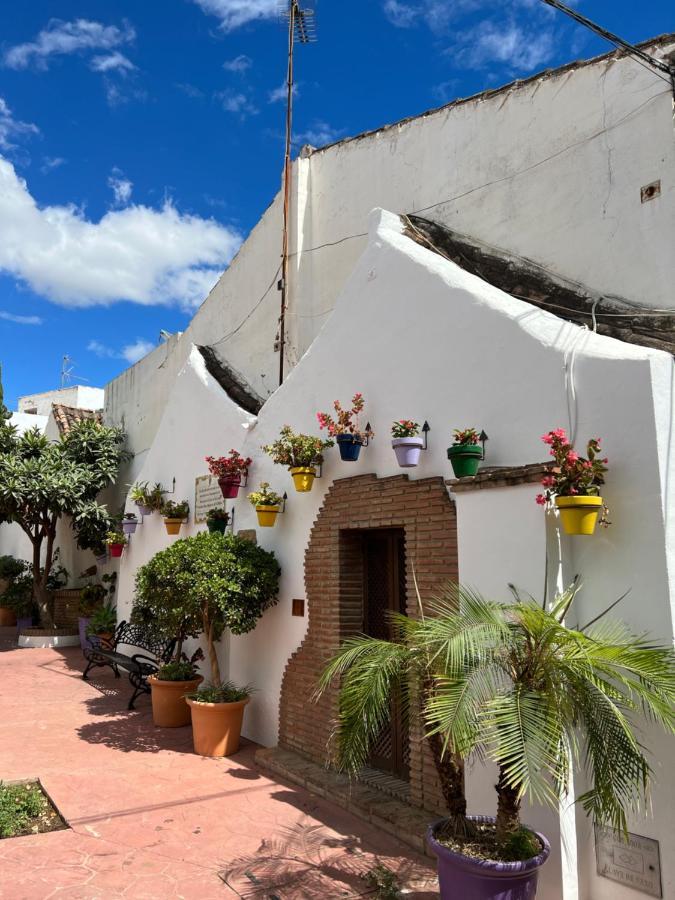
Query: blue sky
column 140, row 142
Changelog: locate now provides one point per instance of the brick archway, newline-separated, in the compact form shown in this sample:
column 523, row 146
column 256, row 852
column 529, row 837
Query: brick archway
column 334, row 587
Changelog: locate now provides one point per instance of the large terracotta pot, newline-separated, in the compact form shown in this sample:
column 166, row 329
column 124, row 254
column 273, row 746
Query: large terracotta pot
column 216, row 727
column 7, row 617
column 172, row 525
column 169, row 709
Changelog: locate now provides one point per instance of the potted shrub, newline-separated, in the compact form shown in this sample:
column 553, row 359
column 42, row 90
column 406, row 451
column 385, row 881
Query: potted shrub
column 573, row 484
column 466, row 452
column 147, row 499
column 129, row 523
column 10, row 568
column 229, row 470
column 174, row 515
column 92, row 597
column 17, row 599
column 102, row 625
column 345, row 428
column 301, row 453
column 100, row 554
column 169, row 687
column 210, row 583
column 116, row 541
column 510, row 683
column 217, row 519
column 267, row 504
column 406, row 443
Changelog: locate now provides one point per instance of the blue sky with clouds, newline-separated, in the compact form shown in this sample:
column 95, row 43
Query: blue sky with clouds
column 140, row 142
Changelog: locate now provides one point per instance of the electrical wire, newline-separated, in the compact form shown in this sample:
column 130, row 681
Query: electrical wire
column 250, row 313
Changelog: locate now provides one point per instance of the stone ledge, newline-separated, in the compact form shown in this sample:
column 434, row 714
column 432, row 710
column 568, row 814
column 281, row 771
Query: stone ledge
column 407, row 823
column 500, row 476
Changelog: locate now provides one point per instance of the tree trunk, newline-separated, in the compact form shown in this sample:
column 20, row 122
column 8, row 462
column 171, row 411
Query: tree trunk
column 213, row 657
column 508, row 808
column 450, row 770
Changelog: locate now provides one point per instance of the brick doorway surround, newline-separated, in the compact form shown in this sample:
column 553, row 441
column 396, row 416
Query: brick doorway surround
column 334, row 587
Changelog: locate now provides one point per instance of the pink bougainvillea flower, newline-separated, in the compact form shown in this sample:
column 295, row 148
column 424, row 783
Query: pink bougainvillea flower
column 547, row 439
column 572, row 456
column 541, row 499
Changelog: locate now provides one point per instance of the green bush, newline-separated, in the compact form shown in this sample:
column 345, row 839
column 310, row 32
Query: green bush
column 10, row 567
column 19, row 804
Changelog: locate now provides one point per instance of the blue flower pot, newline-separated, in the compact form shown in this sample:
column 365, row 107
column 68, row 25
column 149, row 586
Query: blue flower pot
column 350, row 446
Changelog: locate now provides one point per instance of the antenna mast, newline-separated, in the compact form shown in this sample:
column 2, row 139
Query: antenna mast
column 301, row 30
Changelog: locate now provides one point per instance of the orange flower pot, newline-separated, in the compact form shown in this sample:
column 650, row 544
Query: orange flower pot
column 172, row 525
column 169, row 708
column 216, row 727
column 7, row 617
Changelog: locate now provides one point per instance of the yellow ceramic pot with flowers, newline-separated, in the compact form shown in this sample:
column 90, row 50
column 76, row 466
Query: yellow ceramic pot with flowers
column 267, row 504
column 579, row 515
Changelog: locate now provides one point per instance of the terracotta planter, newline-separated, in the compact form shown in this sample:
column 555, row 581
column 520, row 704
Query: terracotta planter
column 229, row 486
column 104, row 640
column 303, row 477
column 579, row 515
column 7, row 617
column 172, row 525
column 216, row 727
column 169, row 708
column 267, row 515
column 469, row 878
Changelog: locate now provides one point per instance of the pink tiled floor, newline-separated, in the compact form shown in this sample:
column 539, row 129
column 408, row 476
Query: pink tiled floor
column 149, row 819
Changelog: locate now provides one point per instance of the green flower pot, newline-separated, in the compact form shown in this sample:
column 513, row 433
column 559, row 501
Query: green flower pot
column 217, row 526
column 465, row 459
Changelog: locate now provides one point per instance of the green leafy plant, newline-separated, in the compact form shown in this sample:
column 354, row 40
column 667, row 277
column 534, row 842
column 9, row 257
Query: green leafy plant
column 265, row 496
column 183, row 669
column 463, row 436
column 206, row 583
column 380, row 878
column 171, row 510
column 346, row 421
column 11, row 568
column 297, row 450
column 218, row 514
column 144, row 495
column 513, row 684
column 572, row 475
column 405, row 428
column 93, row 595
column 230, row 466
column 221, row 692
column 116, row 537
column 43, row 481
column 20, row 805
column 103, row 620
column 18, row 595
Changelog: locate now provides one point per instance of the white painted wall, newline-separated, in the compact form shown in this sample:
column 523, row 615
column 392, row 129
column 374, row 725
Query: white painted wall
column 423, row 339
column 79, row 396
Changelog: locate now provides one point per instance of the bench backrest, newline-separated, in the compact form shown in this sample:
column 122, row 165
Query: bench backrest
column 137, row 636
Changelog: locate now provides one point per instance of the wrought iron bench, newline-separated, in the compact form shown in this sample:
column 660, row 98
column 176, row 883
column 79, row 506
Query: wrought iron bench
column 138, row 665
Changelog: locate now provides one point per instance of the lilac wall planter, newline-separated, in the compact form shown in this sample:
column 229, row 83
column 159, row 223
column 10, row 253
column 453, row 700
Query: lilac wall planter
column 144, row 510
column 477, row 879
column 129, row 527
column 408, row 450
column 82, row 625
column 24, row 623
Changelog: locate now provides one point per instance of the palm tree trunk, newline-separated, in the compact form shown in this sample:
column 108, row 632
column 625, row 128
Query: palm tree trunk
column 508, row 808
column 451, row 776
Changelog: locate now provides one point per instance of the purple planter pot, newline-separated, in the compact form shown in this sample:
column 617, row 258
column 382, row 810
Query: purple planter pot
column 477, row 879
column 23, row 623
column 144, row 510
column 408, row 450
column 82, row 625
column 129, row 527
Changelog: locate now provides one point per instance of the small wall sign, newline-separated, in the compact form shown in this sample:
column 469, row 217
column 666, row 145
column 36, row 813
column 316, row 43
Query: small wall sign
column 207, row 496
column 636, row 864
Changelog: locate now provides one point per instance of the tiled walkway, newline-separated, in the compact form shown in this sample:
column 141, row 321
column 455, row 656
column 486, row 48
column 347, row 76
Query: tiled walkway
column 150, row 819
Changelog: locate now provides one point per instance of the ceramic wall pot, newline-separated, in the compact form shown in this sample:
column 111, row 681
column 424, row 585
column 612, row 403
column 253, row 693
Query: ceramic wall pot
column 349, row 446
column 303, row 477
column 169, row 707
column 469, row 878
column 144, row 510
column 116, row 550
column 172, row 525
column 129, row 527
column 579, row 515
column 408, row 450
column 7, row 617
column 217, row 525
column 216, row 727
column 229, row 486
column 267, row 515
column 465, row 459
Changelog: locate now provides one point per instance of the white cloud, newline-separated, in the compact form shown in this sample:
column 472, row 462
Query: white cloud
column 112, row 62
column 11, row 127
column 20, row 320
column 49, row 163
column 133, row 352
column 144, row 255
column 237, row 103
column 190, row 90
column 241, row 63
column 60, row 38
column 280, row 93
column 102, row 350
column 318, row 134
column 401, row 15
column 234, row 13
column 120, row 186
column 511, row 45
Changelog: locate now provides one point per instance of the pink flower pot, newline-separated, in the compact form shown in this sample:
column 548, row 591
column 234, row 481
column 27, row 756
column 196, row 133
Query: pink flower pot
column 230, row 486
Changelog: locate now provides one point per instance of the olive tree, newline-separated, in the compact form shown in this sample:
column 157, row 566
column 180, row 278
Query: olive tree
column 42, row 482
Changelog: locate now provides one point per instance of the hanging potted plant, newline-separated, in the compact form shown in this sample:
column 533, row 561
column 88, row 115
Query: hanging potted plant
column 345, row 428
column 267, row 504
column 174, row 515
column 100, row 554
column 147, row 499
column 406, row 443
column 10, row 569
column 18, row 606
column 573, row 484
column 129, row 523
column 466, row 452
column 229, row 470
column 116, row 541
column 92, row 597
column 509, row 683
column 217, row 519
column 301, row 453
column 102, row 625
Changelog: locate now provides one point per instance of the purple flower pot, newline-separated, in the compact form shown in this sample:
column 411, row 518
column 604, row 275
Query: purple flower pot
column 102, row 559
column 144, row 510
column 82, row 625
column 23, row 623
column 481, row 879
column 129, row 527
column 407, row 450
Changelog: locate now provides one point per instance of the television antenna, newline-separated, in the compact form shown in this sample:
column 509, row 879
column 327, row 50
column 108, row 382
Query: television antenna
column 67, row 371
column 301, row 30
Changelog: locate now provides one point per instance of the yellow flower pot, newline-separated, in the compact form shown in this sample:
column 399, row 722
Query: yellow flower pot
column 303, row 478
column 267, row 515
column 172, row 525
column 579, row 515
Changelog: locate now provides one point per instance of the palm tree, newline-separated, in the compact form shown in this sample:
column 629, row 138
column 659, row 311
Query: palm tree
column 513, row 684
